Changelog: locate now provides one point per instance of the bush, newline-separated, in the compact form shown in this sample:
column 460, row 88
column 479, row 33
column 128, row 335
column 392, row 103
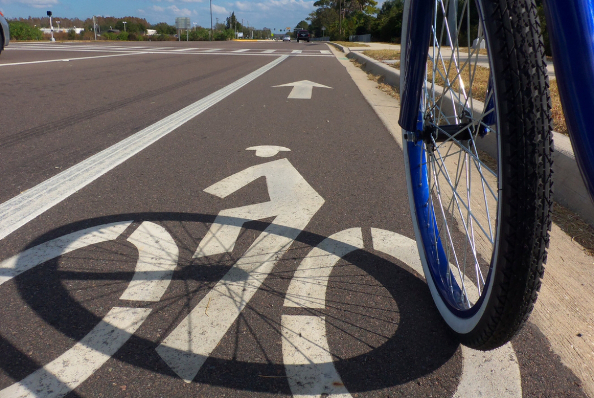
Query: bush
column 123, row 36
column 71, row 34
column 199, row 34
column 108, row 36
column 22, row 31
column 162, row 37
column 223, row 35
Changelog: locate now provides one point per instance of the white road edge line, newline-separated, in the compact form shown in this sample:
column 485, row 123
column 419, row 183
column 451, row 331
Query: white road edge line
column 489, row 374
column 309, row 283
column 72, row 368
column 23, row 208
column 34, row 256
column 72, row 59
column 306, row 356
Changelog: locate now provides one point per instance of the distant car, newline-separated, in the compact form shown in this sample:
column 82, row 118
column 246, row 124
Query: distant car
column 4, row 33
column 286, row 38
column 302, row 35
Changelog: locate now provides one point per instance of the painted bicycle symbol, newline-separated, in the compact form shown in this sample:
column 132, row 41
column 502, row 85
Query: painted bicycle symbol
column 305, row 350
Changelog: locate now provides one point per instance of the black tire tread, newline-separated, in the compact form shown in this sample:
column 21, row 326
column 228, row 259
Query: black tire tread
column 522, row 86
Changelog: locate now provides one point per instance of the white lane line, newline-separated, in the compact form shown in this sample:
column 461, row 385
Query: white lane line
column 325, row 52
column 157, row 258
column 309, row 283
column 72, row 368
column 296, row 52
column 212, row 50
column 306, row 355
column 240, row 51
column 34, row 256
column 183, row 49
column 268, row 51
column 23, row 208
column 294, row 202
column 490, row 374
column 71, row 59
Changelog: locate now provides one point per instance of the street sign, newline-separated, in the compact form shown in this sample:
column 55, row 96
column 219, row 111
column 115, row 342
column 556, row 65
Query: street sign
column 183, row 23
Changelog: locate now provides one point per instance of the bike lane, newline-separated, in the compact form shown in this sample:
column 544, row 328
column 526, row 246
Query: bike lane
column 382, row 330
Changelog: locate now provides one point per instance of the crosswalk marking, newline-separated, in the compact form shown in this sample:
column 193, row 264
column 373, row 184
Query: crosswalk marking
column 240, row 51
column 268, row 51
column 296, row 52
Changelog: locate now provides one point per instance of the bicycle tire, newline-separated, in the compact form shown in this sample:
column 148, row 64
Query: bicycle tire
column 486, row 306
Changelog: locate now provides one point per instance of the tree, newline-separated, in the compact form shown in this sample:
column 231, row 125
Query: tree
column 164, row 28
column 302, row 25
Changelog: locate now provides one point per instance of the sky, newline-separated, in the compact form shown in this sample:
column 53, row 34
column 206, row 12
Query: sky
column 273, row 14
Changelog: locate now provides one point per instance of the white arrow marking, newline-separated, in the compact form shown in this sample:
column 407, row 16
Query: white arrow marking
column 490, row 374
column 306, row 355
column 157, row 258
column 294, row 202
column 70, row 369
column 302, row 89
column 31, row 258
column 308, row 286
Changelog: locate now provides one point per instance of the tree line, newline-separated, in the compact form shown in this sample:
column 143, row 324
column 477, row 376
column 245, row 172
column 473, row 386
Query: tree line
column 340, row 19
column 112, row 28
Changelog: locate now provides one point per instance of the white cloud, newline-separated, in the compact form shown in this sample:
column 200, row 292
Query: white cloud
column 243, row 6
column 157, row 9
column 219, row 10
column 183, row 12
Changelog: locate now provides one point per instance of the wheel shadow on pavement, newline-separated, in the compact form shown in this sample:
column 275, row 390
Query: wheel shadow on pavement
column 383, row 329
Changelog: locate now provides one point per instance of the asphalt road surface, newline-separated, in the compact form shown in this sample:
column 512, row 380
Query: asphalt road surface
column 179, row 219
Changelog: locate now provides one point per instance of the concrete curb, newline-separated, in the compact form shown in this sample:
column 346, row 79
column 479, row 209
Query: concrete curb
column 569, row 189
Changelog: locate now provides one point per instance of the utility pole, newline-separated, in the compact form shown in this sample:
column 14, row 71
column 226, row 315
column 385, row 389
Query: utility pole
column 124, row 25
column 211, row 34
column 95, row 27
column 339, row 18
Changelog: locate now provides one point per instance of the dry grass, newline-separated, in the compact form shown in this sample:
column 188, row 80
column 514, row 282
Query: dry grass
column 386, row 88
column 480, row 81
column 480, row 84
column 559, row 123
column 382, row 55
column 350, row 44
